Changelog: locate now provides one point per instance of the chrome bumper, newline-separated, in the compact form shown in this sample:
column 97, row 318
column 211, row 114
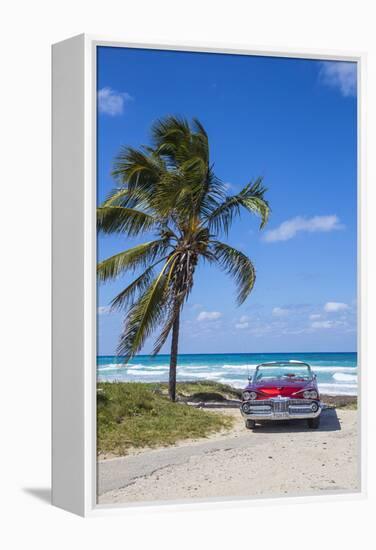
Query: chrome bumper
column 280, row 408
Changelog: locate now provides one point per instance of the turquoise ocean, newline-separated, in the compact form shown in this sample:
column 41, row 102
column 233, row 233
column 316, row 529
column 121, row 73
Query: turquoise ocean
column 337, row 373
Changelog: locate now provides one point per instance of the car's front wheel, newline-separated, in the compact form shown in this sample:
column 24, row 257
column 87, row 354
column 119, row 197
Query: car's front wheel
column 314, row 423
column 250, row 424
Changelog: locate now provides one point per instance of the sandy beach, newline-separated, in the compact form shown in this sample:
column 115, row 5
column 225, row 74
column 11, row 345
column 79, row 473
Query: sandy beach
column 274, row 460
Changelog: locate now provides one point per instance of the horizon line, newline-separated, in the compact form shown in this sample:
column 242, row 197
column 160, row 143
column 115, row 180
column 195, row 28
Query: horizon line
column 232, row 353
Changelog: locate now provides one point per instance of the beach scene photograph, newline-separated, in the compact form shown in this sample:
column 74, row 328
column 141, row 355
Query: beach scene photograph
column 227, row 330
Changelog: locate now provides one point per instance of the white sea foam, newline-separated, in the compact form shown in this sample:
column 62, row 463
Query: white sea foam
column 338, row 389
column 110, row 366
column 344, row 377
column 334, row 369
column 195, row 367
column 113, row 366
column 141, row 366
column 151, row 372
column 235, row 382
column 240, row 367
column 341, row 377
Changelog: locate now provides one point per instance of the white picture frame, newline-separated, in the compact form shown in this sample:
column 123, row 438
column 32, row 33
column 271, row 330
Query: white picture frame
column 74, row 474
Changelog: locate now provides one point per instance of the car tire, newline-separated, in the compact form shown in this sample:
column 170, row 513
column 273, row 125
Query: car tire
column 314, row 423
column 250, row 424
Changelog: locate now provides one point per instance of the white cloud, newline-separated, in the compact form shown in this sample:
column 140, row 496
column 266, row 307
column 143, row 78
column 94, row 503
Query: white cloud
column 333, row 307
column 288, row 229
column 314, row 316
column 322, row 324
column 280, row 311
column 209, row 315
column 242, row 325
column 242, row 322
column 111, row 102
column 102, row 310
column 340, row 75
column 327, row 324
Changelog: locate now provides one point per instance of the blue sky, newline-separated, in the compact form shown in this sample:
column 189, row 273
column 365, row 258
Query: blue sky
column 291, row 121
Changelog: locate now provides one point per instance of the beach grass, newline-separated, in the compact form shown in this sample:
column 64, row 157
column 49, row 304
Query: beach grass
column 344, row 402
column 206, row 390
column 136, row 415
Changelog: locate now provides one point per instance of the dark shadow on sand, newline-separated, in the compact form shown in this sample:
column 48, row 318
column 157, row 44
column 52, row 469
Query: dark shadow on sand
column 41, row 493
column 329, row 423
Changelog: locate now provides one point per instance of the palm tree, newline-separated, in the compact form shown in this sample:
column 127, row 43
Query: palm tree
column 170, row 190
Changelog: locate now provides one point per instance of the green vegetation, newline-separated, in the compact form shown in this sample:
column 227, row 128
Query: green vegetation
column 204, row 391
column 141, row 415
column 170, row 190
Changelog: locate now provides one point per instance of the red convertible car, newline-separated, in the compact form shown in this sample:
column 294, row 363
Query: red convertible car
column 282, row 390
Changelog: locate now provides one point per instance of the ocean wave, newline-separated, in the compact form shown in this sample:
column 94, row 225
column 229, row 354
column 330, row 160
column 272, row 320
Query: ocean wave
column 341, row 377
column 151, row 372
column 195, row 367
column 338, row 389
column 338, row 368
column 231, row 367
column 110, row 366
column 240, row 367
column 142, row 366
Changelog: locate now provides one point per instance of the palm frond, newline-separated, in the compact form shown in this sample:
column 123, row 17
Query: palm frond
column 138, row 286
column 138, row 169
column 141, row 255
column 251, row 198
column 117, row 219
column 177, row 142
column 213, row 193
column 145, row 315
column 170, row 131
column 236, row 264
column 123, row 196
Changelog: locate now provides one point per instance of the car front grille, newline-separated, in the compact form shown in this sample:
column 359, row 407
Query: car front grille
column 280, row 406
column 300, row 406
column 302, row 402
column 260, row 408
column 299, row 410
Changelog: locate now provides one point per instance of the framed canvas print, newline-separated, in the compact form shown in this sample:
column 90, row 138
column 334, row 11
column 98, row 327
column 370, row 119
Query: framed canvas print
column 207, row 343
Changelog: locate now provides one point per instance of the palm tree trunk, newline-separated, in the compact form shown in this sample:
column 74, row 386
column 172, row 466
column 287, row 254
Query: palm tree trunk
column 174, row 358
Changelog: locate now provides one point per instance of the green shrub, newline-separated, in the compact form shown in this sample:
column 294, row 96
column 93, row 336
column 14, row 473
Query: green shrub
column 140, row 415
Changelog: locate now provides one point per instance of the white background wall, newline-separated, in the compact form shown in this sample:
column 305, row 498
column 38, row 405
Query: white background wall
column 27, row 30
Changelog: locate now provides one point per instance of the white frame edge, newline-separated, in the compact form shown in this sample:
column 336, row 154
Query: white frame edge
column 74, row 293
column 74, row 472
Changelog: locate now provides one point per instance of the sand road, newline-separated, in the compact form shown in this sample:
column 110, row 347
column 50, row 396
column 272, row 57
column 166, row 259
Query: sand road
column 274, row 460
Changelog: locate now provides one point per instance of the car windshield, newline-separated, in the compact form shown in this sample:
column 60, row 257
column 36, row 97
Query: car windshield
column 282, row 372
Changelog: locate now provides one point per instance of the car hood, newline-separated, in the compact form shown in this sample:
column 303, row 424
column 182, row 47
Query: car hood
column 284, row 388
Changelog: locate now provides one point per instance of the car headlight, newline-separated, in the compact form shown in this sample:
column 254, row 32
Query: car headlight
column 249, row 395
column 310, row 394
